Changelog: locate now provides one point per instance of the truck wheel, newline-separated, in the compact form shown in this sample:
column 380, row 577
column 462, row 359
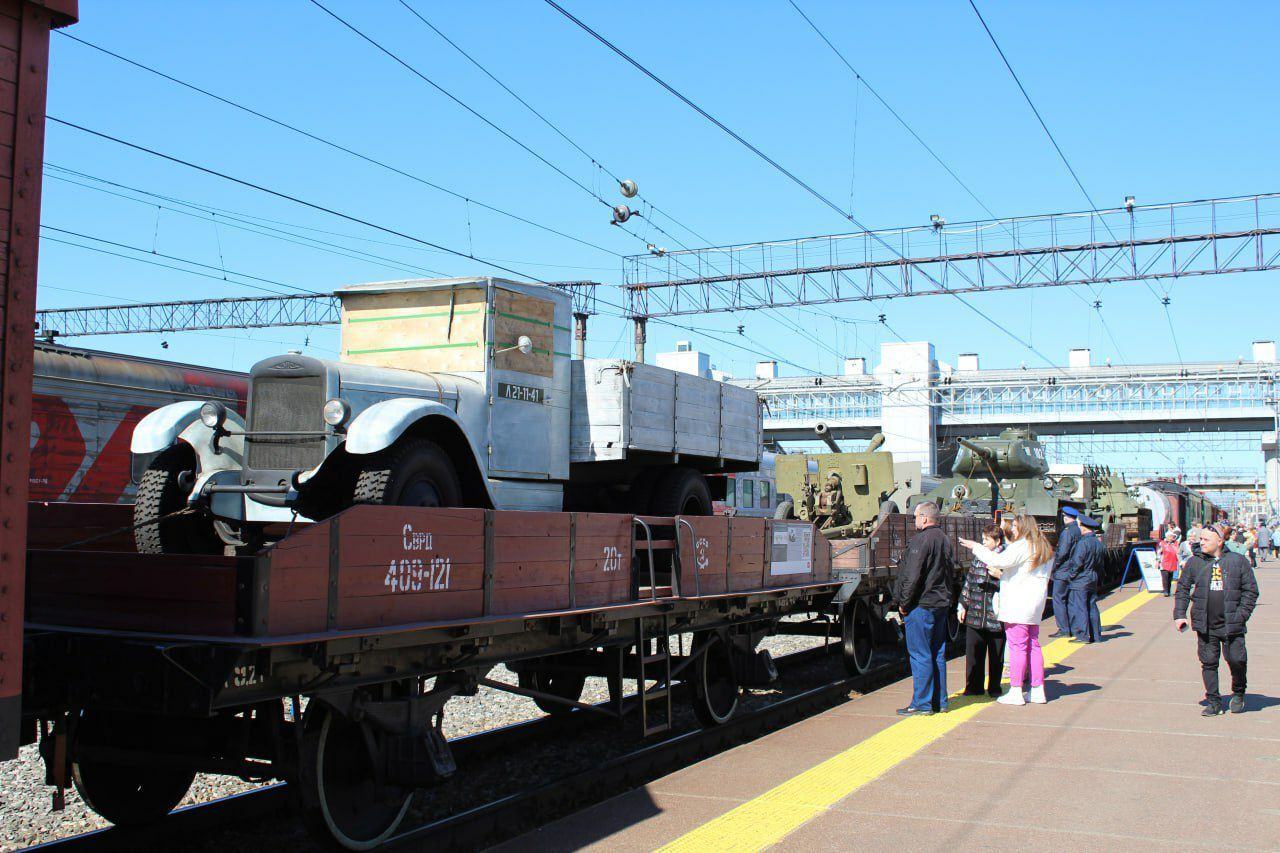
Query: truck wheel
column 785, row 511
column 159, row 494
column 415, row 472
column 681, row 491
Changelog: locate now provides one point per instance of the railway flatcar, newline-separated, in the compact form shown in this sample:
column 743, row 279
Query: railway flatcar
column 84, row 407
column 1175, row 503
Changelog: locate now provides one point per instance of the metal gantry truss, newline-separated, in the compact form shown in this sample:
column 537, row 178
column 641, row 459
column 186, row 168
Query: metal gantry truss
column 248, row 312
column 1071, row 448
column 964, row 401
column 1122, row 244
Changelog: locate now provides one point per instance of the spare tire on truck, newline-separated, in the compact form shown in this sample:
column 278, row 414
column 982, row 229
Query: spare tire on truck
column 680, row 491
column 412, row 472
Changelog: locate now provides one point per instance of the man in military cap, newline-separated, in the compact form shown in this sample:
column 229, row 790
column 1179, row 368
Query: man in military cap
column 1082, row 570
column 1067, row 540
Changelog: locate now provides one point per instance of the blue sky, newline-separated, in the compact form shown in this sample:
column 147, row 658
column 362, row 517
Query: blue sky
column 1157, row 100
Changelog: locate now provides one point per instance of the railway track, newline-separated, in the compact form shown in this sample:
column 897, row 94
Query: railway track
column 476, row 826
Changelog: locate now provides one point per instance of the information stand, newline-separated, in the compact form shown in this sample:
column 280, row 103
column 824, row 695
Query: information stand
column 1149, row 577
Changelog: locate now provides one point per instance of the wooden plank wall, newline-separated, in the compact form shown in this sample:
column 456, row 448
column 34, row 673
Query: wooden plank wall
column 24, row 65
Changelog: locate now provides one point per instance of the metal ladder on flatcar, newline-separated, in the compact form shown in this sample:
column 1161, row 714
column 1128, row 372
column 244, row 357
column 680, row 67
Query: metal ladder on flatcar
column 654, row 649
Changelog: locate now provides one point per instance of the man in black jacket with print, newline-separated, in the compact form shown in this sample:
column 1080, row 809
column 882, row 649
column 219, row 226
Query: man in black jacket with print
column 925, row 592
column 1221, row 587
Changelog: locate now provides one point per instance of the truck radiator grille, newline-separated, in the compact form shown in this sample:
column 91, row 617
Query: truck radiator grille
column 289, row 404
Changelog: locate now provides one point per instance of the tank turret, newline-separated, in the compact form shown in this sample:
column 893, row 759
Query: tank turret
column 1014, row 453
column 1008, row 473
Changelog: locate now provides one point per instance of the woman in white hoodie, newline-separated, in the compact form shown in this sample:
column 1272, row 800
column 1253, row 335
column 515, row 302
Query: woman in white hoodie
column 1023, row 568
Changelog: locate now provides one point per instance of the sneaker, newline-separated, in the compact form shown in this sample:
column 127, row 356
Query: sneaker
column 1237, row 704
column 1213, row 709
column 1037, row 697
column 1013, row 697
column 968, row 692
column 914, row 712
column 1056, row 634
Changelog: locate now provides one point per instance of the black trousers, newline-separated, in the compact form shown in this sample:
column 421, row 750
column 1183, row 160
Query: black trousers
column 983, row 650
column 1167, row 577
column 1231, row 648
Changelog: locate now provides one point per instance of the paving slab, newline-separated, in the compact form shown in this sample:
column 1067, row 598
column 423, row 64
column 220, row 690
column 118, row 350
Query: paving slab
column 1120, row 758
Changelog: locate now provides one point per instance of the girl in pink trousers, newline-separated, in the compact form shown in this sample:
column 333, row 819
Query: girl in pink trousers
column 1023, row 569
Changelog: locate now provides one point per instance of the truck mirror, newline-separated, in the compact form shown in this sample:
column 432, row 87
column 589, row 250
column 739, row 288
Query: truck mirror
column 523, row 343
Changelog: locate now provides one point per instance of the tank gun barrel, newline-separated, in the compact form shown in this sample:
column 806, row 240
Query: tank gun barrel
column 876, row 442
column 977, row 449
column 820, row 430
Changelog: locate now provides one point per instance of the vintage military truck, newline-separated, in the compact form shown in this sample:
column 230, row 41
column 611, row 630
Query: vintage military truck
column 452, row 392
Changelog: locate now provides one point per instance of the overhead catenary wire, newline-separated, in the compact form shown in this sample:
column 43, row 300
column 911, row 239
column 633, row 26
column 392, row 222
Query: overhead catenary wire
column 261, row 230
column 1061, row 154
column 287, row 197
column 335, row 145
column 781, row 169
column 148, row 260
column 257, row 222
column 549, row 123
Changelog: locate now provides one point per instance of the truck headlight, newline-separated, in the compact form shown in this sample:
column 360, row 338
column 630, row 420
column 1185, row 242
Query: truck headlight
column 213, row 414
column 336, row 412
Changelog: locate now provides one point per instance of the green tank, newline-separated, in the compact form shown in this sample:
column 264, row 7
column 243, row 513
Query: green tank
column 1008, row 473
column 843, row 494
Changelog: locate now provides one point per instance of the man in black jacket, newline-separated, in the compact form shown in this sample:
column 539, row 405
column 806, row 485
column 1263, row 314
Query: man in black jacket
column 925, row 593
column 1223, row 591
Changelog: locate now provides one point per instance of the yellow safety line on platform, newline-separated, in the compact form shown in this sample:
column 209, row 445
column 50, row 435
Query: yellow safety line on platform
column 775, row 814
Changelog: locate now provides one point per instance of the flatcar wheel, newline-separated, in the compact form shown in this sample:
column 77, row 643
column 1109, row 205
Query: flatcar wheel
column 357, row 811
column 715, row 685
column 125, row 794
column 857, row 637
column 566, row 685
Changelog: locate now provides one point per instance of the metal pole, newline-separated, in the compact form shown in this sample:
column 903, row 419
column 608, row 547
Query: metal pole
column 641, row 323
column 579, row 335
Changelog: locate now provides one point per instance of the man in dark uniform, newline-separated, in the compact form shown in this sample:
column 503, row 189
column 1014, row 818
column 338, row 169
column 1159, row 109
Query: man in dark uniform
column 925, row 593
column 1082, row 570
column 1222, row 588
column 1067, row 540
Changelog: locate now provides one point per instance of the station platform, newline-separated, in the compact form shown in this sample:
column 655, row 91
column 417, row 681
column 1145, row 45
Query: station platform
column 1120, row 757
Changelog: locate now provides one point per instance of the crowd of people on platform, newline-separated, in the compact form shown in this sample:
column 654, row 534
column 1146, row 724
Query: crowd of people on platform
column 1001, row 598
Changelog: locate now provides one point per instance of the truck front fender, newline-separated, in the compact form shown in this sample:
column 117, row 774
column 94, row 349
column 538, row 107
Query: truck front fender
column 167, row 425
column 381, row 425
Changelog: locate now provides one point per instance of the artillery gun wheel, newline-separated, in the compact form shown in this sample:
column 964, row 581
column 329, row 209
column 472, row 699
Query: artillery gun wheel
column 160, row 494
column 415, row 472
column 785, row 511
column 125, row 794
column 351, row 807
column 681, row 491
column 566, row 685
column 715, row 687
column 857, row 637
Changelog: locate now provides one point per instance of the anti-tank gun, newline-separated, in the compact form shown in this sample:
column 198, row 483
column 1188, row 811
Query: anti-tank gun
column 843, row 494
